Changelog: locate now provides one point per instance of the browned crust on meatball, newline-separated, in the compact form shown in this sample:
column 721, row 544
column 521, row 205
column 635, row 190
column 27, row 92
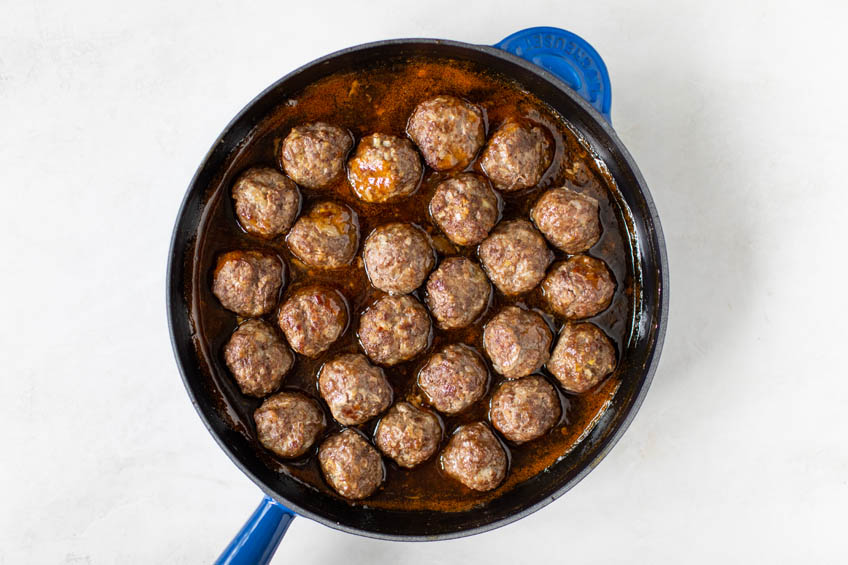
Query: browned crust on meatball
column 314, row 154
column 515, row 256
column 517, row 156
column 248, row 282
column 394, row 329
column 266, row 202
column 288, row 423
column 457, row 292
column 583, row 357
column 517, row 342
column 354, row 389
column 465, row 208
column 327, row 237
column 525, row 409
column 257, row 358
column 475, row 457
column 568, row 219
column 397, row 257
column 312, row 318
column 351, row 466
column 409, row 435
column 384, row 168
column 448, row 131
column 454, row 378
column 580, row 287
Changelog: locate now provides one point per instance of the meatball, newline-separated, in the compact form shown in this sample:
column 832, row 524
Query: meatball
column 579, row 287
column 515, row 256
column 582, row 358
column 517, row 341
column 525, row 409
column 409, row 435
column 257, row 358
column 517, row 156
column 465, row 208
column 384, row 168
column 454, row 378
column 313, row 318
column 394, row 329
column 288, row 423
column 457, row 292
column 327, row 237
column 354, row 389
column 248, row 282
column 314, row 154
column 448, row 131
column 397, row 257
column 351, row 465
column 266, row 202
column 568, row 219
column 475, row 457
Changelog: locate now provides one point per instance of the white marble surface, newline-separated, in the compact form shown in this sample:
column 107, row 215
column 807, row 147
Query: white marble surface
column 735, row 112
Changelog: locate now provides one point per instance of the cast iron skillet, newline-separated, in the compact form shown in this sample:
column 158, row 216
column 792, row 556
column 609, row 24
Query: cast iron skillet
column 566, row 73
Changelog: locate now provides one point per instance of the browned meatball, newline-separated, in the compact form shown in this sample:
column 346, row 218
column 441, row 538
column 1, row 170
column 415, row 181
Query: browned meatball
column 582, row 358
column 248, row 282
column 409, row 435
column 454, row 378
column 288, row 423
column 465, row 207
column 351, row 465
column 313, row 318
column 515, row 256
column 384, row 168
column 579, row 288
column 394, row 329
column 448, row 131
column 525, row 409
column 397, row 257
column 314, row 154
column 475, row 457
column 257, row 358
column 354, row 389
column 266, row 202
column 517, row 341
column 568, row 219
column 327, row 237
column 517, row 156
column 457, row 292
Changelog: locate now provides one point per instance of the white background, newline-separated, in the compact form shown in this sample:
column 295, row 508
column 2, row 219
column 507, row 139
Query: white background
column 736, row 114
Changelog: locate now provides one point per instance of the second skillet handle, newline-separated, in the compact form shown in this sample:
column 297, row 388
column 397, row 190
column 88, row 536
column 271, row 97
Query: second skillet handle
column 258, row 539
column 569, row 57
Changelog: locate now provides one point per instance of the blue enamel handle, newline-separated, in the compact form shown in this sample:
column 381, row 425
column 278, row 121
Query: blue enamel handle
column 258, row 539
column 567, row 56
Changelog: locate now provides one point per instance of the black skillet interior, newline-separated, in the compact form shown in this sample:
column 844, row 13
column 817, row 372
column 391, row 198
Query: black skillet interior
column 639, row 360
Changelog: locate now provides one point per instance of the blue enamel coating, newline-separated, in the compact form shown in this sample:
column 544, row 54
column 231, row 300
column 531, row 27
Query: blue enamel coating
column 258, row 539
column 567, row 56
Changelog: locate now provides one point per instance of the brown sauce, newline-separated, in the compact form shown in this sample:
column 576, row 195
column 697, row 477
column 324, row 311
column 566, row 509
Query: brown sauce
column 381, row 100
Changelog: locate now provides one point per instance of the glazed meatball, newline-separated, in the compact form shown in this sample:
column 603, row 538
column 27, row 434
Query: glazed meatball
column 327, row 237
column 288, row 423
column 257, row 358
column 457, row 292
column 582, row 358
column 248, row 282
column 568, row 219
column 517, row 156
column 448, row 131
column 465, row 208
column 266, row 202
column 517, row 341
column 475, row 457
column 454, row 378
column 314, row 154
column 515, row 256
column 351, row 465
column 313, row 318
column 409, row 435
column 354, row 389
column 394, row 329
column 525, row 409
column 384, row 168
column 397, row 257
column 579, row 287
